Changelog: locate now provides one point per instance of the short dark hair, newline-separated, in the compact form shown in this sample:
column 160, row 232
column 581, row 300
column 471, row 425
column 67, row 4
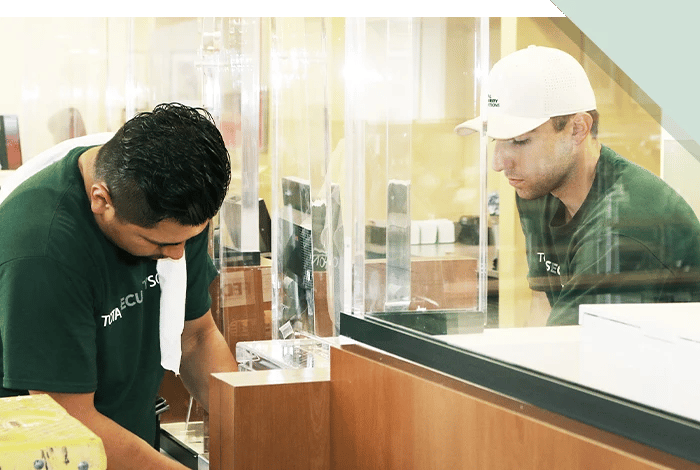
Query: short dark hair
column 170, row 163
column 559, row 122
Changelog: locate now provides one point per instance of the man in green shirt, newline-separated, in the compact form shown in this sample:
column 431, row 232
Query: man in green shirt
column 83, row 241
column 598, row 228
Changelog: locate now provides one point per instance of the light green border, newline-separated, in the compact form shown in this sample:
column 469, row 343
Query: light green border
column 655, row 44
column 143, row 8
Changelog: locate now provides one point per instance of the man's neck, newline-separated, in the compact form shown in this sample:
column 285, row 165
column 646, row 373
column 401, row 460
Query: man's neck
column 575, row 191
column 86, row 165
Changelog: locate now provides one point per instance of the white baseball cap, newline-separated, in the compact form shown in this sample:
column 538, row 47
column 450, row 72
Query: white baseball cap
column 526, row 88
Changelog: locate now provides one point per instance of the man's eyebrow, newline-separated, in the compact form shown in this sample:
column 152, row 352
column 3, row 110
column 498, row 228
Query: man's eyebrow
column 161, row 243
column 524, row 136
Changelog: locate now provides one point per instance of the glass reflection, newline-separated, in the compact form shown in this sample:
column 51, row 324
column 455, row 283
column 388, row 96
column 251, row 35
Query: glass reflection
column 579, row 216
column 598, row 228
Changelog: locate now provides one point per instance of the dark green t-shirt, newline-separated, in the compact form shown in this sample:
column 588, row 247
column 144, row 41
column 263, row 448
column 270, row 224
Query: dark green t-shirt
column 634, row 239
column 77, row 313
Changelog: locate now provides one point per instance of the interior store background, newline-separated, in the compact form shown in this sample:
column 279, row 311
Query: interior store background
column 110, row 68
column 74, row 75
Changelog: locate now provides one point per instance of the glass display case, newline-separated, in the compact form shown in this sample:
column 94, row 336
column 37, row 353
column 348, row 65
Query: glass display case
column 297, row 353
column 509, row 351
column 391, row 229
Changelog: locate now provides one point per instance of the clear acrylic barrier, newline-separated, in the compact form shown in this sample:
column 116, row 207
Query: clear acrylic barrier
column 299, row 352
column 306, row 218
column 353, row 215
column 536, row 365
column 414, row 263
column 381, row 212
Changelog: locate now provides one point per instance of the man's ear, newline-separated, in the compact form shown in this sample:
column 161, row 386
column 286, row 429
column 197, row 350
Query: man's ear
column 101, row 200
column 582, row 126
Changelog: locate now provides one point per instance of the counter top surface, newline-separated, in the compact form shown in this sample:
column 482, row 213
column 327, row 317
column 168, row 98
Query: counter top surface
column 641, row 369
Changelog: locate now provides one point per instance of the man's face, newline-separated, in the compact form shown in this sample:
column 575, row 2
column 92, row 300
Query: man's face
column 538, row 162
column 165, row 240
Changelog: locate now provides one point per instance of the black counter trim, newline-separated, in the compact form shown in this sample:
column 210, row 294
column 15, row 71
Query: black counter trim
column 668, row 433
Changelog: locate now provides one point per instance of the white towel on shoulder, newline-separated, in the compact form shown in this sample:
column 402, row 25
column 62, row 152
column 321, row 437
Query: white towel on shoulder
column 173, row 287
column 172, row 273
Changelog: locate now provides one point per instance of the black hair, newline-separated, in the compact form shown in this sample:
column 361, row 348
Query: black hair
column 170, row 163
column 559, row 122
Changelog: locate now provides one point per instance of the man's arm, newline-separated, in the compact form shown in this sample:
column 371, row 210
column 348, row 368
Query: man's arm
column 204, row 351
column 125, row 450
column 539, row 309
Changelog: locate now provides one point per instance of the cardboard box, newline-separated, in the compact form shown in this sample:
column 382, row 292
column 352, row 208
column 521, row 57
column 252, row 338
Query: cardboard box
column 436, row 284
column 242, row 309
column 242, row 303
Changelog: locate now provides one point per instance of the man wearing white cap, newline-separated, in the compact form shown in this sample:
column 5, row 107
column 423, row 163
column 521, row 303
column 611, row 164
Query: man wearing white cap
column 598, row 228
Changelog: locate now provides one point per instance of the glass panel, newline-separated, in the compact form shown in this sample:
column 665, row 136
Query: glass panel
column 418, row 191
column 233, row 75
column 62, row 90
column 230, row 64
column 629, row 125
column 306, row 200
column 77, row 76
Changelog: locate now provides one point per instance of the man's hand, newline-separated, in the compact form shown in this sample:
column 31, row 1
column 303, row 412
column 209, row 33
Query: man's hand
column 204, row 351
column 125, row 450
column 539, row 309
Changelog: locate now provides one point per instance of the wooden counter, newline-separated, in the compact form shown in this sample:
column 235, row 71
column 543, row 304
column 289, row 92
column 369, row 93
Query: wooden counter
column 270, row 419
column 391, row 414
column 376, row 411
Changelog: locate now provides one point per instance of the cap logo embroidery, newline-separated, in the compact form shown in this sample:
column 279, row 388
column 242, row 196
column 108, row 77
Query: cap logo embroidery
column 493, row 102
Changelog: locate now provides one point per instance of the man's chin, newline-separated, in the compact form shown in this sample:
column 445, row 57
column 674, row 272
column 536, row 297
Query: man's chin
column 530, row 194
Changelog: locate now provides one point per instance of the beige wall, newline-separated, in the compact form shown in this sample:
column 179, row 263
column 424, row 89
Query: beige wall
column 103, row 67
column 55, row 64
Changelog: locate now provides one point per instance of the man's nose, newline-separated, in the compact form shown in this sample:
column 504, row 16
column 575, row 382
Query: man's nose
column 173, row 251
column 500, row 159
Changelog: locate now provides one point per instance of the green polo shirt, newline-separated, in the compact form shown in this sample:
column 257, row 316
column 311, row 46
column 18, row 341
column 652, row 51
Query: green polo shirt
column 77, row 313
column 634, row 239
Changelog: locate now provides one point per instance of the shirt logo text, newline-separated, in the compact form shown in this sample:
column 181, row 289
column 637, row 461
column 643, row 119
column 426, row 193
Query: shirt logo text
column 129, row 300
column 549, row 266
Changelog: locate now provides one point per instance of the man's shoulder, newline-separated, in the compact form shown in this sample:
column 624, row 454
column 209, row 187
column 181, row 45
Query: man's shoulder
column 39, row 220
column 620, row 170
column 640, row 205
column 629, row 185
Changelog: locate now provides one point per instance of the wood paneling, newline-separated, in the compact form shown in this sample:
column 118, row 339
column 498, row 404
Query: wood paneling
column 375, row 411
column 267, row 420
column 389, row 414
